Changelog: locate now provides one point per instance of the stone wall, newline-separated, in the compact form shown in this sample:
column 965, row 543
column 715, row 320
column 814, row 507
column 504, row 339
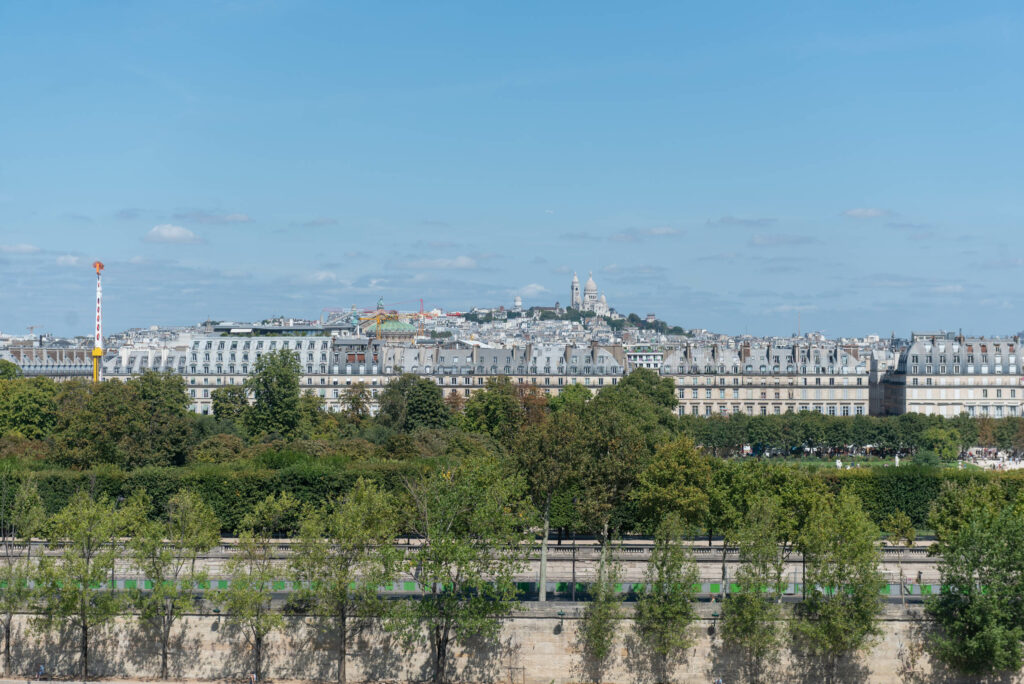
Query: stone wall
column 538, row 646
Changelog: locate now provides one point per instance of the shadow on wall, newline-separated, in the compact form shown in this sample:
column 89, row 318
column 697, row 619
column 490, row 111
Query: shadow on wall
column 587, row 666
column 183, row 649
column 482, row 660
column 646, row 665
column 809, row 668
column 56, row 650
column 379, row 654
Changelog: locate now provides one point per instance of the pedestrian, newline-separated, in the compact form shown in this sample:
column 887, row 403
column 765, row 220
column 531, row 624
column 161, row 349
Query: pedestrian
column 42, row 671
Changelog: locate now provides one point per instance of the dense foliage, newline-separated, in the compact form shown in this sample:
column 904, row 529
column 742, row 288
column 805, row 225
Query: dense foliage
column 602, row 464
column 472, row 479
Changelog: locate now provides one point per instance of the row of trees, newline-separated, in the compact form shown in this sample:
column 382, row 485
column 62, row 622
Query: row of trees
column 475, row 520
column 146, row 421
column 472, row 520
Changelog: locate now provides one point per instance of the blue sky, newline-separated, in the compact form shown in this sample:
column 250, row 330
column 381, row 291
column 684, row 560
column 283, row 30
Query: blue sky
column 859, row 163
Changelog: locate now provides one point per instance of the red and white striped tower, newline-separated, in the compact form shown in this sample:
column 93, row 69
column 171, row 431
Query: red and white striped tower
column 97, row 350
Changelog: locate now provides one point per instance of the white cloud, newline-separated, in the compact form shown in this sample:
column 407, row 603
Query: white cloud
column 947, row 289
column 532, row 290
column 167, row 232
column 323, row 277
column 459, row 262
column 22, row 248
column 866, row 212
column 68, row 260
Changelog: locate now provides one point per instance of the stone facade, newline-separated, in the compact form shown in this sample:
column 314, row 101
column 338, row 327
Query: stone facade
column 946, row 374
column 539, row 645
column 769, row 379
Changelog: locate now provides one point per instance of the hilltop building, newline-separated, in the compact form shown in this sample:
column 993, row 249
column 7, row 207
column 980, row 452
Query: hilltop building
column 590, row 299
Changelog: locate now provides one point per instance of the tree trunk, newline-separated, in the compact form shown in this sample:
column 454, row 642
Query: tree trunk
column 342, row 645
column 543, row 580
column 257, row 653
column 725, row 572
column 84, row 665
column 165, row 635
column 7, row 644
column 440, row 653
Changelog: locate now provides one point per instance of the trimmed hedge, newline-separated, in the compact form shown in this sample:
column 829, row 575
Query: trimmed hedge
column 231, row 492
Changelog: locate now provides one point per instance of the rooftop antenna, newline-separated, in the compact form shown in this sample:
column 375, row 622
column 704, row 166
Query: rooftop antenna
column 97, row 349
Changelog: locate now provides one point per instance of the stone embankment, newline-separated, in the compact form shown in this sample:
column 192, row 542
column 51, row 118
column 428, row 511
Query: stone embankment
column 538, row 646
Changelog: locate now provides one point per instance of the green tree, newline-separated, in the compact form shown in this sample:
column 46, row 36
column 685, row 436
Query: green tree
column 410, row 402
column 28, row 407
column 274, row 386
column 471, row 520
column 496, row 411
column 140, row 422
column 979, row 612
column 751, row 617
column 165, row 551
column 219, row 448
column 966, row 428
column 840, row 613
column 617, row 445
column 87, row 534
column 986, row 432
column 164, row 425
column 549, row 456
column 251, row 571
column 665, row 606
column 230, row 403
column 945, row 443
column 21, row 518
column 956, row 502
column 8, row 370
column 570, row 398
column 357, row 402
column 675, row 482
column 661, row 391
column 899, row 531
column 425, row 407
column 599, row 622
column 345, row 552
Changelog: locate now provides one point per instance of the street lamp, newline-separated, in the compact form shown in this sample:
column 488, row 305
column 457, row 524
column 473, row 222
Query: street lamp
column 574, row 502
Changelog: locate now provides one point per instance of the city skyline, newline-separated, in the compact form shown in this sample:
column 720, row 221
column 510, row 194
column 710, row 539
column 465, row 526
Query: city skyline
column 855, row 167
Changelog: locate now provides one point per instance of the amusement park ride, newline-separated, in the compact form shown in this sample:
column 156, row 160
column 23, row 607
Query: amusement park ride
column 382, row 313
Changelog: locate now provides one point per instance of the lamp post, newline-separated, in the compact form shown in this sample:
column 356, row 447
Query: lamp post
column 574, row 502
